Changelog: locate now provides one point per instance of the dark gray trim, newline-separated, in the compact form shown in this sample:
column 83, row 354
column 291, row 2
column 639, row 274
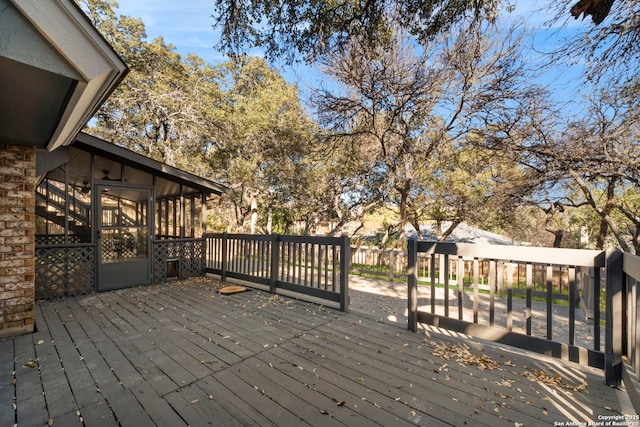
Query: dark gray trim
column 114, row 152
column 555, row 349
column 47, row 161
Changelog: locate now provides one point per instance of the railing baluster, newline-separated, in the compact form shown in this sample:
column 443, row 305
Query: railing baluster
column 299, row 262
column 460, row 276
column 635, row 321
column 308, row 265
column 412, row 279
column 433, row 282
column 275, row 259
column 596, row 288
column 262, row 265
column 253, row 269
column 225, row 256
column 476, row 277
column 492, row 292
column 549, row 282
column 444, row 271
column 527, row 311
column 287, row 263
column 630, row 320
column 509, row 296
column 334, row 267
column 572, row 305
column 318, row 268
column 247, row 256
column 326, row 266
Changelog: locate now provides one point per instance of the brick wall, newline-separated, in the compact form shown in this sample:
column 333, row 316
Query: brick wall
column 17, row 239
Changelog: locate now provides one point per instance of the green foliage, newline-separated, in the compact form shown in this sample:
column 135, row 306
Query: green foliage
column 414, row 121
column 238, row 122
column 264, row 153
column 436, row 128
column 312, row 28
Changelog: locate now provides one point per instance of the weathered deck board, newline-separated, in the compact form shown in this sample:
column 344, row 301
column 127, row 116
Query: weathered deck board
column 481, row 403
column 418, row 365
column 181, row 354
column 7, row 388
column 61, row 324
column 28, row 386
column 351, row 402
column 244, row 413
column 57, row 391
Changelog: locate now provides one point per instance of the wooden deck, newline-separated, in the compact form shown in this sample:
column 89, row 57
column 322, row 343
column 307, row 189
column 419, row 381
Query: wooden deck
column 182, row 354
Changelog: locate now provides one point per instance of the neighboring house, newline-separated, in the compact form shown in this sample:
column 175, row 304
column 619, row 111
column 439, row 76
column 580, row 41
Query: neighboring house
column 463, row 233
column 77, row 214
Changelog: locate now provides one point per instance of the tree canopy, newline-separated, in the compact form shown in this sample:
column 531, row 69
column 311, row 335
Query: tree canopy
column 431, row 115
column 609, row 49
column 312, row 28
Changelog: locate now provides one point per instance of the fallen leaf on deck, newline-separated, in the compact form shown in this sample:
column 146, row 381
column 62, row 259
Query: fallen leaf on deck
column 503, row 396
column 463, row 356
column 553, row 380
column 30, row 364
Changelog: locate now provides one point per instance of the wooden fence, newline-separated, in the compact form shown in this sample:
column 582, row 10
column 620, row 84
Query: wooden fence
column 310, row 268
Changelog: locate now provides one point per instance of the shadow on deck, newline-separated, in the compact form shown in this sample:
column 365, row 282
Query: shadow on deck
column 182, row 354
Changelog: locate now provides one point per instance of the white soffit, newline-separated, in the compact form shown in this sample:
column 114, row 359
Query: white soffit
column 97, row 65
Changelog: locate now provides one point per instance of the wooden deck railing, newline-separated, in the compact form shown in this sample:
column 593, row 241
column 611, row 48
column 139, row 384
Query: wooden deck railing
column 490, row 312
column 630, row 332
column 312, row 268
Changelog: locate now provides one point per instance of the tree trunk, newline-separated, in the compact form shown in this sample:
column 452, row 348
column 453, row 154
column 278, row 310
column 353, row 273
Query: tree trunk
column 445, row 235
column 602, row 234
column 606, row 220
column 416, row 225
column 269, row 219
column 254, row 213
column 558, row 233
column 404, row 196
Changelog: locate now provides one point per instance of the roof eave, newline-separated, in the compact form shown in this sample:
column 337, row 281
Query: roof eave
column 113, row 151
column 71, row 33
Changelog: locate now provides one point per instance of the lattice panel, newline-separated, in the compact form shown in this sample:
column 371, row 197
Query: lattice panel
column 189, row 253
column 58, row 239
column 66, row 271
column 192, row 261
column 160, row 262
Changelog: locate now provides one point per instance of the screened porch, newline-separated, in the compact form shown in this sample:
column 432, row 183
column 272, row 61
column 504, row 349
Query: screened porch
column 108, row 218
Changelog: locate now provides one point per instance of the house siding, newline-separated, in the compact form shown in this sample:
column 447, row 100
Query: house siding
column 17, row 239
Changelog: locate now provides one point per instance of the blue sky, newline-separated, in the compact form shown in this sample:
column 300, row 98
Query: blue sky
column 188, row 25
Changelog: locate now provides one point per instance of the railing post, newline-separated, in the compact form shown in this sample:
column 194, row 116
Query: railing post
column 275, row 265
column 225, row 253
column 412, row 280
column 345, row 261
column 614, row 312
